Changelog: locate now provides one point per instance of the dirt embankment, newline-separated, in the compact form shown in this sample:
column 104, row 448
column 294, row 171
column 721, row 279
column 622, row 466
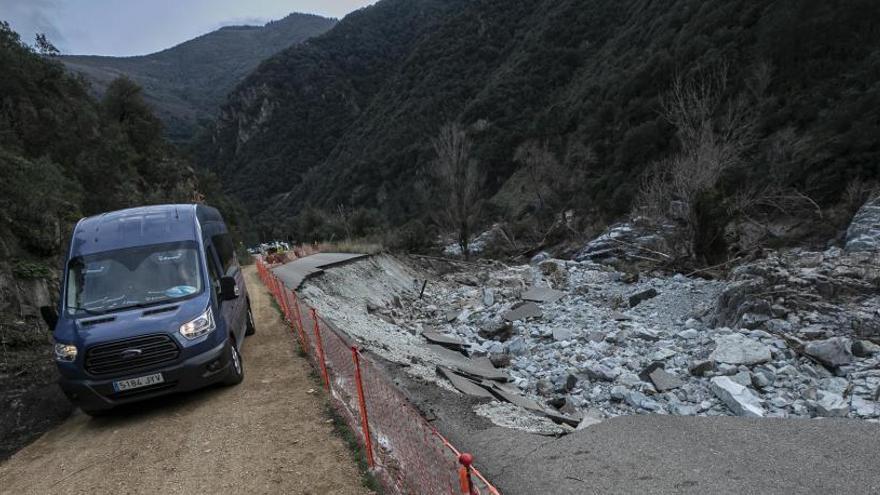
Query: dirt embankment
column 267, row 435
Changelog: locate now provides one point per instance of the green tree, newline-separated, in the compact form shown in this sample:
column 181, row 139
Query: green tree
column 45, row 47
column 124, row 104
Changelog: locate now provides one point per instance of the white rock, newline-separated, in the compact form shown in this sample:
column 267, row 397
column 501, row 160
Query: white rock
column 865, row 408
column 662, row 354
column 739, row 349
column 590, row 418
column 629, row 379
column 834, row 384
column 738, row 398
column 830, row 405
column 832, row 352
column 488, row 297
column 744, row 378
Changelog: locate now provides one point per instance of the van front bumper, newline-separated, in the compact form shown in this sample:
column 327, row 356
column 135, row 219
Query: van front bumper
column 196, row 372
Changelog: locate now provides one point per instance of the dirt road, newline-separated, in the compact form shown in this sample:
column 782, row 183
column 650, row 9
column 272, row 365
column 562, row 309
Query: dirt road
column 267, row 435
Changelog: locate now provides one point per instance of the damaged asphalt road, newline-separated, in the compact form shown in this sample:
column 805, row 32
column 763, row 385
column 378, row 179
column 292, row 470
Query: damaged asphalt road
column 637, row 452
column 665, row 454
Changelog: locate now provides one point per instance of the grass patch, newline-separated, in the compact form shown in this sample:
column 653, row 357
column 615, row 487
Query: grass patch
column 353, row 246
column 299, row 349
column 341, row 429
column 31, row 270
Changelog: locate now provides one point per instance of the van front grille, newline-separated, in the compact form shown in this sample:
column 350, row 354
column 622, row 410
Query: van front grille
column 126, row 356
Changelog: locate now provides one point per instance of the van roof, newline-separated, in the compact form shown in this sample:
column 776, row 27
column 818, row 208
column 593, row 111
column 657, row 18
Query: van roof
column 133, row 227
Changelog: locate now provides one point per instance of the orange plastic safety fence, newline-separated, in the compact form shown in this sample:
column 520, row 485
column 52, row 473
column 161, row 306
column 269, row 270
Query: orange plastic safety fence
column 405, row 452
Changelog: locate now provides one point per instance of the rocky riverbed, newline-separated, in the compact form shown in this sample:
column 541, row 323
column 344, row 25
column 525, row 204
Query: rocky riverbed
column 590, row 342
column 611, row 345
column 790, row 334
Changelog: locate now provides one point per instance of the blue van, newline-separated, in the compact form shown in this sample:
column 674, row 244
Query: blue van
column 153, row 302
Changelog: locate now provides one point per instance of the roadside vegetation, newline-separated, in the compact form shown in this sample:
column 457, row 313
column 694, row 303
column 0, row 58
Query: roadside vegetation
column 65, row 155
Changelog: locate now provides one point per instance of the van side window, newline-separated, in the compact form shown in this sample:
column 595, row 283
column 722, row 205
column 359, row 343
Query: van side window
column 213, row 271
column 225, row 251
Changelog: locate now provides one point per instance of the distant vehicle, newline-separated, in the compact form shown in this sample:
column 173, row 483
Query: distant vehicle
column 274, row 247
column 153, row 302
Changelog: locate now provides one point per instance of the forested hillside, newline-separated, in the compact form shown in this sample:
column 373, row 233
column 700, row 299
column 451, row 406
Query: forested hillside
column 64, row 155
column 348, row 117
column 187, row 83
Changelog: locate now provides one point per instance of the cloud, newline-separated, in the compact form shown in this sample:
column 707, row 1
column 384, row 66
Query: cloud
column 135, row 27
column 241, row 21
column 29, row 17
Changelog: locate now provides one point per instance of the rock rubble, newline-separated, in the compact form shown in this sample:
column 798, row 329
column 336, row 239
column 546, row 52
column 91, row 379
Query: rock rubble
column 690, row 349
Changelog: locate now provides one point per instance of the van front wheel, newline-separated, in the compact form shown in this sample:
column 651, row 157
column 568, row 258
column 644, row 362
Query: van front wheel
column 250, row 328
column 236, row 368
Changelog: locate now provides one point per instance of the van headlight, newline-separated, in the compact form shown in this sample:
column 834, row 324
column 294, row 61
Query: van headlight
column 65, row 352
column 198, row 326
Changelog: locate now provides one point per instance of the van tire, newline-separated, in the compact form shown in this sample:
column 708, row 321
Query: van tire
column 249, row 328
column 236, row 368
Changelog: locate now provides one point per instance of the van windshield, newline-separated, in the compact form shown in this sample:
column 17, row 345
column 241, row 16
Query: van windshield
column 133, row 277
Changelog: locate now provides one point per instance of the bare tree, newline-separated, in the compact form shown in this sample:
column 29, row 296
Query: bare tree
column 459, row 179
column 344, row 219
column 714, row 138
column 540, row 165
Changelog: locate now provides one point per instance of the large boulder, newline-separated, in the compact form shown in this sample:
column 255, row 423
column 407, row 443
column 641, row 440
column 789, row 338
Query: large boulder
column 832, row 352
column 636, row 241
column 864, row 230
column 738, row 398
column 738, row 349
column 830, row 405
column 844, row 285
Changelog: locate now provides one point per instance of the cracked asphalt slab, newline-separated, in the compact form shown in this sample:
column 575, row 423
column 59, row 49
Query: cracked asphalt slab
column 666, row 454
column 266, row 435
column 660, row 454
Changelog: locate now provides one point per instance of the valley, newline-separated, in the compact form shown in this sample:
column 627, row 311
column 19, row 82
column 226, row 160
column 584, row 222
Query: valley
column 611, row 246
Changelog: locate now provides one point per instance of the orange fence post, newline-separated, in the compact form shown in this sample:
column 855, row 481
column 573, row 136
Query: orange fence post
column 320, row 348
column 277, row 289
column 362, row 403
column 299, row 322
column 302, row 327
column 464, row 474
column 285, row 308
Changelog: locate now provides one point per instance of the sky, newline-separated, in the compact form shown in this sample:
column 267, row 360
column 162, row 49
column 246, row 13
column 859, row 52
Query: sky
column 138, row 27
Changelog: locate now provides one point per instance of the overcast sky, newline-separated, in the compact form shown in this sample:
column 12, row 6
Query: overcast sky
column 137, row 27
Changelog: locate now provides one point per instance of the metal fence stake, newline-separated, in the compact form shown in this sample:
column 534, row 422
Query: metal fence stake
column 464, row 474
column 282, row 301
column 362, row 403
column 299, row 321
column 320, row 348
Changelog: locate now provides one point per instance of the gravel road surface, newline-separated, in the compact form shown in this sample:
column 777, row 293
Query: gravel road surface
column 266, row 435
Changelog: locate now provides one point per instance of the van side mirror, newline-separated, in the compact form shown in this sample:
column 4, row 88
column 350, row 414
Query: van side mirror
column 228, row 288
column 50, row 316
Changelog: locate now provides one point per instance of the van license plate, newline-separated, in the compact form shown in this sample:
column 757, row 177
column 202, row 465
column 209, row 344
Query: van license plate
column 141, row 381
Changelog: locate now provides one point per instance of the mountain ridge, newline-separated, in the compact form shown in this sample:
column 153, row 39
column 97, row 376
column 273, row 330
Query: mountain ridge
column 185, row 84
column 576, row 74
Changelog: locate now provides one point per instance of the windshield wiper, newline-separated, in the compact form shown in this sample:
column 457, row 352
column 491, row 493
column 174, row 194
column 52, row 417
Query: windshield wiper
column 93, row 312
column 145, row 304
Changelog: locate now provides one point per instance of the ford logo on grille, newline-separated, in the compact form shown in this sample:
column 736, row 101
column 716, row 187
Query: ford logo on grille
column 131, row 353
